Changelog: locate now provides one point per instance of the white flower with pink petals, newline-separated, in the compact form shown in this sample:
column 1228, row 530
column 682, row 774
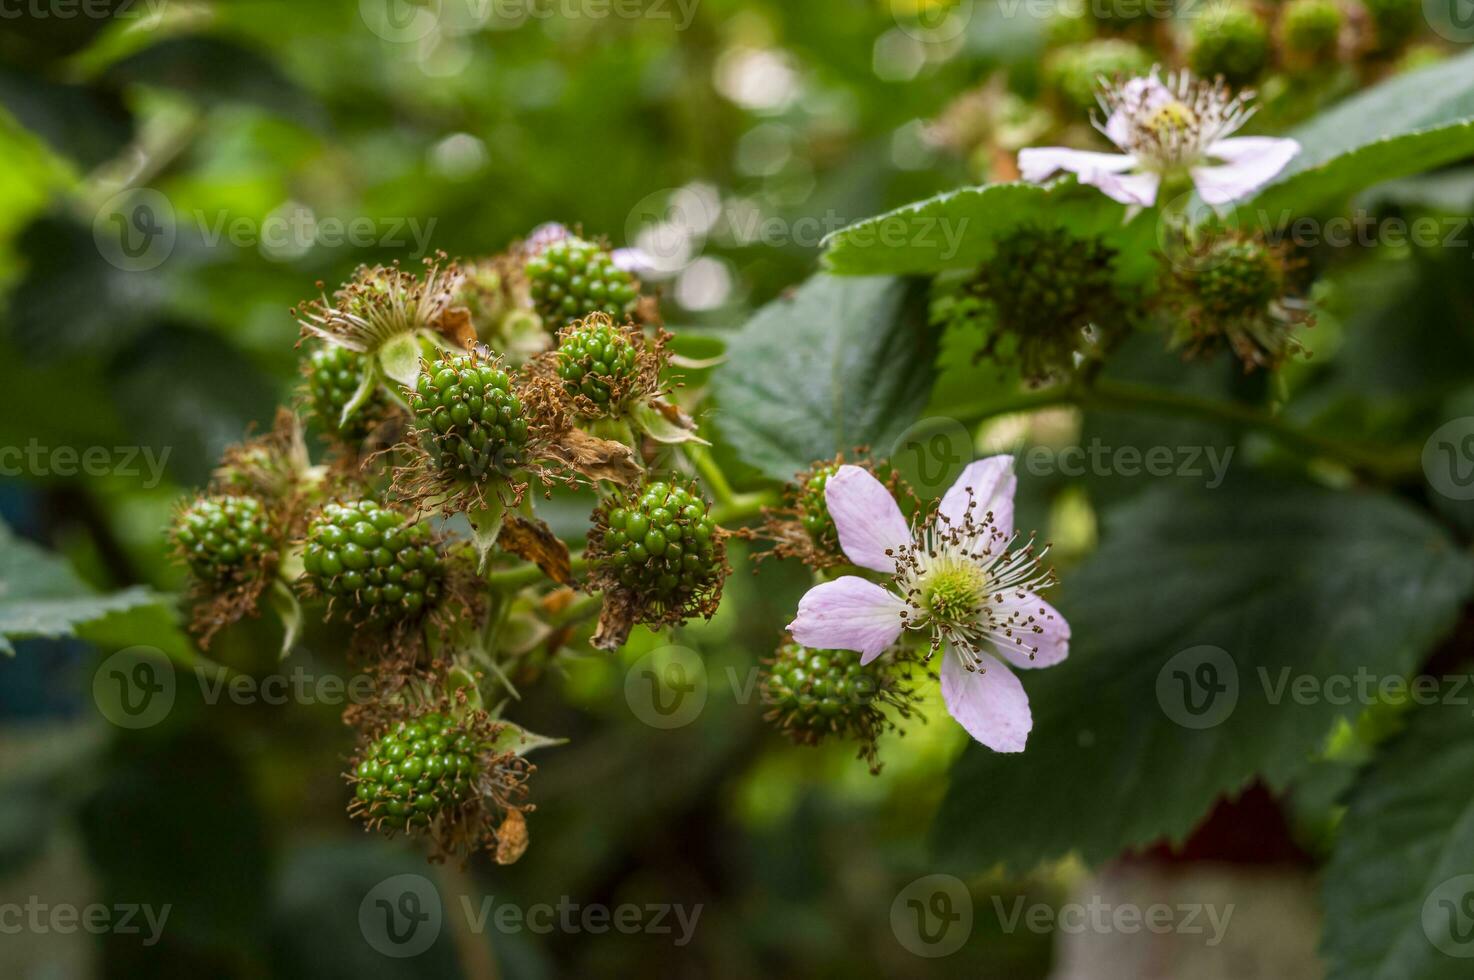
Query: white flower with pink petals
column 961, row 578
column 1165, row 130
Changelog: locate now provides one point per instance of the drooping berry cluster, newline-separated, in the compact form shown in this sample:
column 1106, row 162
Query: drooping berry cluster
column 815, row 694
column 571, row 278
column 333, row 377
column 223, row 537
column 597, row 360
column 373, row 560
column 422, row 769
column 469, row 416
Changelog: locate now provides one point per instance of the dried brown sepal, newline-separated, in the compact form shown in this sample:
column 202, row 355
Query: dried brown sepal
column 532, row 540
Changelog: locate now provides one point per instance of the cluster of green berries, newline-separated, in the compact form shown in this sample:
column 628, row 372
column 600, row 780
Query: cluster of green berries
column 1233, row 42
column 333, row 377
column 421, row 769
column 1237, row 277
column 1045, row 286
column 1075, row 70
column 597, row 360
column 373, row 559
column 571, row 279
column 469, row 416
column 819, row 692
column 813, row 508
column 222, row 536
column 1310, row 28
column 662, row 542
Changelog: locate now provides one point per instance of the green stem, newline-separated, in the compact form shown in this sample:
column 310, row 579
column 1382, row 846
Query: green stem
column 742, row 506
column 1387, row 463
column 512, row 579
column 711, row 473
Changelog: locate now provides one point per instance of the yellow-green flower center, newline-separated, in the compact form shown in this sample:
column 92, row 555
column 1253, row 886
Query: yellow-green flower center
column 953, row 591
column 1168, row 117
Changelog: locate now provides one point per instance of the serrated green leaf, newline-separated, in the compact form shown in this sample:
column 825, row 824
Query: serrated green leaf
column 1282, row 578
column 40, row 595
column 957, row 230
column 1409, row 124
column 1399, row 891
column 840, row 363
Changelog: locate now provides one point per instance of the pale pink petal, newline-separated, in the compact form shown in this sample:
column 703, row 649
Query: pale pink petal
column 1139, row 189
column 1021, row 615
column 987, row 485
column 542, row 236
column 1250, row 163
column 1040, row 162
column 1139, row 95
column 989, row 702
column 848, row 614
column 867, row 518
column 635, row 260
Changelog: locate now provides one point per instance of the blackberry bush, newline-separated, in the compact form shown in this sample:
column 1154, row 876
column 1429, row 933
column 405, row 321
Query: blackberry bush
column 422, row 769
column 224, row 537
column 373, row 560
column 571, row 278
column 333, row 377
column 469, row 416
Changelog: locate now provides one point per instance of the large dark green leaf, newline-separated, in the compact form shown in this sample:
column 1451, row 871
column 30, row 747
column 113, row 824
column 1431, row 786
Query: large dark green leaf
column 1399, row 892
column 1279, row 577
column 40, row 595
column 1409, row 124
column 839, row 364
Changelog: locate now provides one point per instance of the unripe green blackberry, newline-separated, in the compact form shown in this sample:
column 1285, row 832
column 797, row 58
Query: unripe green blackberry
column 333, row 376
column 1075, row 71
column 469, row 417
column 1046, row 286
column 662, row 543
column 1395, row 21
column 223, row 536
column 597, row 360
column 422, row 769
column 1238, row 277
column 1310, row 28
column 571, row 278
column 1233, row 43
column 820, row 691
column 371, row 558
column 814, row 509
